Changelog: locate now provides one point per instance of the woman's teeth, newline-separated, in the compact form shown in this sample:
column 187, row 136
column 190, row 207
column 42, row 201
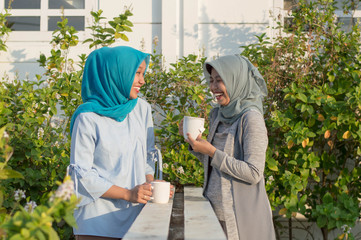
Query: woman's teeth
column 218, row 95
column 137, row 88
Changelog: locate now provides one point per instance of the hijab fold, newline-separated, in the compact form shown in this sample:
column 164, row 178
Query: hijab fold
column 245, row 86
column 107, row 80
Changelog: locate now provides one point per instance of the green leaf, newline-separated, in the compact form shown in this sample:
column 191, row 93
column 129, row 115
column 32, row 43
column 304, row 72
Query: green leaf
column 40, row 235
column 2, row 130
column 298, row 186
column 331, row 224
column 302, row 97
column 17, row 237
column 109, row 30
column 302, row 201
column 272, row 164
column 51, row 233
column 9, row 173
column 327, row 198
column 69, row 219
column 122, row 36
column 331, row 78
column 126, row 28
column 321, row 221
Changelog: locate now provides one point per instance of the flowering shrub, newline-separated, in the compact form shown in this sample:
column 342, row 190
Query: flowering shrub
column 39, row 222
column 25, row 219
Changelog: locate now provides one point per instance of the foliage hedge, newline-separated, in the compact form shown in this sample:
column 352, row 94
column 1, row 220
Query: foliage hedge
column 313, row 71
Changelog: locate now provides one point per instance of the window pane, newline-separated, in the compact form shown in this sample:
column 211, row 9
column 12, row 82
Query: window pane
column 66, row 4
column 355, row 4
column 23, row 23
column 23, row 4
column 346, row 23
column 76, row 21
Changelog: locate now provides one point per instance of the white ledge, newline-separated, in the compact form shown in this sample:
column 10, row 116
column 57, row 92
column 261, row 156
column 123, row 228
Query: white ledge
column 152, row 222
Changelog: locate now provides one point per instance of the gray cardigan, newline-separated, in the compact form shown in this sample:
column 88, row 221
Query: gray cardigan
column 241, row 165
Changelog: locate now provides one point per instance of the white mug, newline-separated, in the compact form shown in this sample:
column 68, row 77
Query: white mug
column 161, row 192
column 193, row 125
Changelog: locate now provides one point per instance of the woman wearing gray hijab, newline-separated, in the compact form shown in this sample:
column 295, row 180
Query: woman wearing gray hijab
column 235, row 150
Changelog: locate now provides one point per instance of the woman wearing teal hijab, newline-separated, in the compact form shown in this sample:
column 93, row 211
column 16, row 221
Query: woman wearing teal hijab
column 112, row 147
column 235, row 150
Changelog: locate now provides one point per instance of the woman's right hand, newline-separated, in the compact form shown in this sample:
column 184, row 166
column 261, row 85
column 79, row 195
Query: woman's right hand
column 141, row 193
column 180, row 127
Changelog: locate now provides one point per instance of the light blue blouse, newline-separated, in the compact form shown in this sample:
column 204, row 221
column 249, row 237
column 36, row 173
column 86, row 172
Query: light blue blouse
column 105, row 152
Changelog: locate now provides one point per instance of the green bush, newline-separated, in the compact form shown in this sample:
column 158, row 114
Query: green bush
column 36, row 115
column 27, row 220
column 313, row 116
column 174, row 93
column 4, row 30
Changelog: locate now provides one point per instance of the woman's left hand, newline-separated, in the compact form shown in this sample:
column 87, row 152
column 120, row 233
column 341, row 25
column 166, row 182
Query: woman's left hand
column 200, row 145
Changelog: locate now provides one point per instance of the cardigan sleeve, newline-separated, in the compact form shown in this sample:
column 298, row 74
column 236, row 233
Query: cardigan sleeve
column 252, row 140
column 89, row 185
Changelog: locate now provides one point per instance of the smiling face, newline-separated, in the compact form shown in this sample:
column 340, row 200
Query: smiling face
column 138, row 81
column 218, row 88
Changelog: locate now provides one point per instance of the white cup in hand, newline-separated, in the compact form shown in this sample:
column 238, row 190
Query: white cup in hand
column 161, row 192
column 193, row 125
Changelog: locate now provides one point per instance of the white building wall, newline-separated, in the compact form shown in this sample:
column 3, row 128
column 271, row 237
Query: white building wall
column 209, row 27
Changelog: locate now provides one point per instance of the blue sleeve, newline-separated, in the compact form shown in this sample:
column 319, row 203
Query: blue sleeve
column 89, row 185
column 153, row 154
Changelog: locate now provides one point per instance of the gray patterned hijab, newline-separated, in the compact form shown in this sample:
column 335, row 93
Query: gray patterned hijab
column 245, row 85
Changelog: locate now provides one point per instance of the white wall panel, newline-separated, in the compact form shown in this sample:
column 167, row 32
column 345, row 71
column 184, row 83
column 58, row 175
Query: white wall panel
column 223, row 39
column 22, row 71
column 234, row 11
column 182, row 26
column 190, row 27
column 170, row 33
column 21, row 57
column 142, row 37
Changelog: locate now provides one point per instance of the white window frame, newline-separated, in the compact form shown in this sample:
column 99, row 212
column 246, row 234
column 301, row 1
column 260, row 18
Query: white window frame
column 278, row 10
column 44, row 12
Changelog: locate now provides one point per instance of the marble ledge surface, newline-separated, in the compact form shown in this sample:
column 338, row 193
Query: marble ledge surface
column 200, row 221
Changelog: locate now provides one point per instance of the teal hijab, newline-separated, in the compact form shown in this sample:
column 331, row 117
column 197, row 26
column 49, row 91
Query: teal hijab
column 107, row 80
column 245, row 85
